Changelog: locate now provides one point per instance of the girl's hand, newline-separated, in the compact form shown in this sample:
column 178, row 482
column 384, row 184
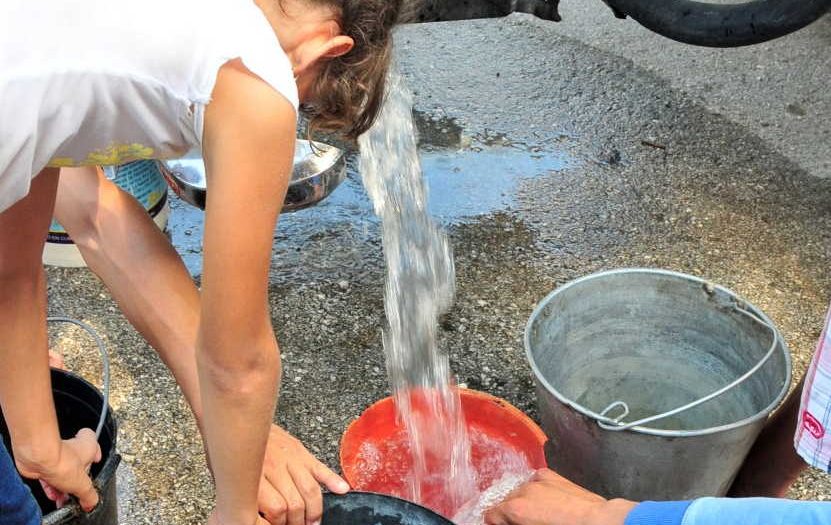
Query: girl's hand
column 290, row 485
column 56, row 360
column 69, row 473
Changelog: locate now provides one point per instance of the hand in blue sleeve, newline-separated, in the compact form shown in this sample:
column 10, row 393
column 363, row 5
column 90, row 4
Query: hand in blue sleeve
column 757, row 511
column 550, row 499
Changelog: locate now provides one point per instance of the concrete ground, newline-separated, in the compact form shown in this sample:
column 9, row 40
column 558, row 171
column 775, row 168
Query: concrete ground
column 553, row 151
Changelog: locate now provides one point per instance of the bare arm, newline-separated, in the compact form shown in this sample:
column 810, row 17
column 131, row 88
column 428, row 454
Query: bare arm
column 249, row 146
column 25, row 386
column 154, row 290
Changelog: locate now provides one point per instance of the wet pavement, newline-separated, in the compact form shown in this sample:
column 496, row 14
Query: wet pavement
column 550, row 154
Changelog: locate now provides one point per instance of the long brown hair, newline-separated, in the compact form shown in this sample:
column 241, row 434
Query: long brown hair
column 349, row 90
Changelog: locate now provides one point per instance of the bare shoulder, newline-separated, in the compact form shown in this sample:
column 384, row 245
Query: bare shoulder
column 243, row 104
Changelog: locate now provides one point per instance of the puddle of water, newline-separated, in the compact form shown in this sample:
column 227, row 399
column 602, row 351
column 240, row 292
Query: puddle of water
column 438, row 132
column 184, row 227
column 467, row 175
column 468, row 183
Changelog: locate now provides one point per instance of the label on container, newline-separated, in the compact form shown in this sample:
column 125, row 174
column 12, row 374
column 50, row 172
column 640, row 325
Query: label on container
column 141, row 179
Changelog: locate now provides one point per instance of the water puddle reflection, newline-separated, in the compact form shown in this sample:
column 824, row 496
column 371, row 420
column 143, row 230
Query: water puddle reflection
column 468, row 176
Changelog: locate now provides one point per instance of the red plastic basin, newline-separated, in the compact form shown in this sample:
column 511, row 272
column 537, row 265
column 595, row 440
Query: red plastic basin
column 374, row 453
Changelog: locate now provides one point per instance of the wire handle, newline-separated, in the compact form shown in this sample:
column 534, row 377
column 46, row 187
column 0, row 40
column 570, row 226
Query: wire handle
column 73, row 510
column 105, row 360
column 615, row 424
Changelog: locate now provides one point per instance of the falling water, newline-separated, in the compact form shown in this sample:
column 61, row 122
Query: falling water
column 419, row 287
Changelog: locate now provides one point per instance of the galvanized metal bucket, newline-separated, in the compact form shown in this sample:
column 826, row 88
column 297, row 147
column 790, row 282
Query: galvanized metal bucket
column 653, row 384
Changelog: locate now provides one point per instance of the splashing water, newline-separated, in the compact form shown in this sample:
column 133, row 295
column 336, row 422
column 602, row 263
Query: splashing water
column 420, row 286
column 473, row 512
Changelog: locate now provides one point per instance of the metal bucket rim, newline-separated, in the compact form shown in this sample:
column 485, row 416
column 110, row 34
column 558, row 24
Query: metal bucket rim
column 764, row 413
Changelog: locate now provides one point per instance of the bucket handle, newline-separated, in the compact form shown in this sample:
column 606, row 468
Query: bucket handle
column 73, row 509
column 105, row 361
column 615, row 424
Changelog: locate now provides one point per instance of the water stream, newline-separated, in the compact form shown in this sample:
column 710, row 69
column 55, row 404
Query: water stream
column 419, row 287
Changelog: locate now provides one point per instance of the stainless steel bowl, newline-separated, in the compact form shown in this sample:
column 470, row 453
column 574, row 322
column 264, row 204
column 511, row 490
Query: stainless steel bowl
column 317, row 172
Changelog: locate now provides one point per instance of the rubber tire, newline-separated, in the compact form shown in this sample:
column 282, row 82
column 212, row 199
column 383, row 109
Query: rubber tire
column 716, row 25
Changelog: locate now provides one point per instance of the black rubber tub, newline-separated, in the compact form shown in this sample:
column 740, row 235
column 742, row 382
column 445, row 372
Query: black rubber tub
column 78, row 405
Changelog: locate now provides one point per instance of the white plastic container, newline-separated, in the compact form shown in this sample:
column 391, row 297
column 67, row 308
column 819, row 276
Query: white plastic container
column 143, row 180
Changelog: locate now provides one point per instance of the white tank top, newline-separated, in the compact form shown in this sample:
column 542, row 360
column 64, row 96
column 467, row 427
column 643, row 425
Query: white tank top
column 103, row 82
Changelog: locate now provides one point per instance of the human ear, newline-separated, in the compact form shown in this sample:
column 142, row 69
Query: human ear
column 329, row 48
column 338, row 46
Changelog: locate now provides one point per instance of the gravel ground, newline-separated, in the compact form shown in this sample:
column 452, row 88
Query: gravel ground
column 625, row 163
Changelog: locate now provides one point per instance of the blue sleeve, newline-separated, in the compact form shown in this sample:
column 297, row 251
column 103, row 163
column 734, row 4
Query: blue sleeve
column 658, row 513
column 757, row 511
column 17, row 505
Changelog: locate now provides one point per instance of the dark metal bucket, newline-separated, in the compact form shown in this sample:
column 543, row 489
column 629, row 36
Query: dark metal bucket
column 653, row 384
column 78, row 404
column 367, row 508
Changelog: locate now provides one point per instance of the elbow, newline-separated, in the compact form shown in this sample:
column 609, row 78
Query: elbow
column 243, row 371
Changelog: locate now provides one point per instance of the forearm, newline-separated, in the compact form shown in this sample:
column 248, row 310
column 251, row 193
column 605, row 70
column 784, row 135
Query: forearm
column 239, row 398
column 248, row 145
column 25, row 385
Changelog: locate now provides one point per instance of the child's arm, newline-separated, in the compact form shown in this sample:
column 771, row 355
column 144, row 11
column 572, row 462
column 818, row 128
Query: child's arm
column 157, row 295
column 25, row 387
column 248, row 148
